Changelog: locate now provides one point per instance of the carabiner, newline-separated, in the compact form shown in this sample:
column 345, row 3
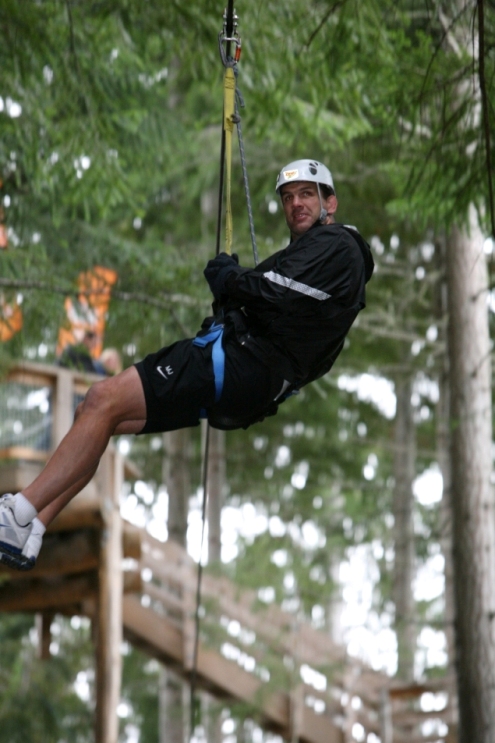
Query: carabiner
column 228, row 38
column 229, row 61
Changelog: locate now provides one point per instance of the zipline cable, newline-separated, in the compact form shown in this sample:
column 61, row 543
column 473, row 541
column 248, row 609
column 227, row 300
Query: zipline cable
column 232, row 99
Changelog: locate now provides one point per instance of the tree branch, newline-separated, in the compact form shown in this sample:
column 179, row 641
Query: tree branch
column 322, row 22
column 163, row 302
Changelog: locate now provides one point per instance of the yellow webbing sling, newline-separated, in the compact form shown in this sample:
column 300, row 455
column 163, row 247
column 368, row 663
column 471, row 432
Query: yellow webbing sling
column 228, row 126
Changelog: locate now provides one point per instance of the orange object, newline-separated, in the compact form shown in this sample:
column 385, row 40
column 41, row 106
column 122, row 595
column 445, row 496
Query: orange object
column 10, row 319
column 89, row 311
column 4, row 240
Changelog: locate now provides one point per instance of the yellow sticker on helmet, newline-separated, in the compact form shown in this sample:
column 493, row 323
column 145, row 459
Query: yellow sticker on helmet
column 289, row 175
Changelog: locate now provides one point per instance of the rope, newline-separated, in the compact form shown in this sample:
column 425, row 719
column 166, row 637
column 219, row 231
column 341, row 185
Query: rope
column 220, row 193
column 225, row 157
column 240, row 102
column 232, row 99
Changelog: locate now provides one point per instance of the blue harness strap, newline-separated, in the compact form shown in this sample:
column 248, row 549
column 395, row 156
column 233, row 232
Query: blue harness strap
column 214, row 335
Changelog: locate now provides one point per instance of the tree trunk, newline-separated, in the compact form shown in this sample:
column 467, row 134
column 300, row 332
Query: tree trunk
column 170, row 707
column 402, row 507
column 472, row 496
column 177, row 445
column 216, row 486
column 212, row 713
column 176, row 476
column 443, row 443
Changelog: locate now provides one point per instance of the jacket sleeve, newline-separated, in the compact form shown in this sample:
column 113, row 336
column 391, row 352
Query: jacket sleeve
column 321, row 266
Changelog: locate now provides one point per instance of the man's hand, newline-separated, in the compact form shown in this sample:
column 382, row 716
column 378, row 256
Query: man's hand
column 217, row 270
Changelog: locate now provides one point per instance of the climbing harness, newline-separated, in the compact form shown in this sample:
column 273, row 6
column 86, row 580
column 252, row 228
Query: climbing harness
column 215, row 336
column 232, row 99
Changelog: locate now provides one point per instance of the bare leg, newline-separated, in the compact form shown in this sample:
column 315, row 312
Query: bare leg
column 114, row 405
column 48, row 513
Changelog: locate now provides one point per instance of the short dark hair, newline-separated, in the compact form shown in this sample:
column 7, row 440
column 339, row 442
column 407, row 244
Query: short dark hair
column 326, row 191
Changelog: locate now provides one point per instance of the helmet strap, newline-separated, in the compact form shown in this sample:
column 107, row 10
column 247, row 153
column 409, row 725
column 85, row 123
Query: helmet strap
column 323, row 211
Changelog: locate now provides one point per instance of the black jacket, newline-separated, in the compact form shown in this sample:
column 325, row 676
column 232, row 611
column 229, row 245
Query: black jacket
column 295, row 308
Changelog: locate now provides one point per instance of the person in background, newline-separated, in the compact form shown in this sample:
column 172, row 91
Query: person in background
column 110, row 362
column 78, row 356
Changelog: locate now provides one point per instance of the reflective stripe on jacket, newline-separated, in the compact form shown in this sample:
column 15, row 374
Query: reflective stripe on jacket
column 296, row 307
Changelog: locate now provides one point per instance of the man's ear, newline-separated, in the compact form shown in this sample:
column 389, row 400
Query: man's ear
column 331, row 205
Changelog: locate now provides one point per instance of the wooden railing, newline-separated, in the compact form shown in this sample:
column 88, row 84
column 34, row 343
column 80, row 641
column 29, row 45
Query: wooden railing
column 296, row 680
column 304, row 686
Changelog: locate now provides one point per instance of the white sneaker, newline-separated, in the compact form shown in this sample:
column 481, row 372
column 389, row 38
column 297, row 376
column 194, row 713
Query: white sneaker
column 13, row 536
column 32, row 547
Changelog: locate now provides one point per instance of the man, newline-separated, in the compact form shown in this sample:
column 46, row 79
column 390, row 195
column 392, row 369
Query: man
column 277, row 327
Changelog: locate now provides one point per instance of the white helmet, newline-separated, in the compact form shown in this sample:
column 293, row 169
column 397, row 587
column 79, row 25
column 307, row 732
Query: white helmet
column 305, row 170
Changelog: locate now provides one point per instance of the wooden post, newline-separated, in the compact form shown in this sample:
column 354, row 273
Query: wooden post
column 43, row 625
column 297, row 712
column 386, row 729
column 296, row 698
column 63, row 406
column 350, row 716
column 109, row 612
column 189, row 616
column 216, row 485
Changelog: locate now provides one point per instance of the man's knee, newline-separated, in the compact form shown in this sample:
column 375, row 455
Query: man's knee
column 78, row 410
column 117, row 399
column 98, row 399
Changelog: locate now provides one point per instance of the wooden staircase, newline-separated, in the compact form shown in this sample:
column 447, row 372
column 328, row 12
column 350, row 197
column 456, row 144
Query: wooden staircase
column 297, row 682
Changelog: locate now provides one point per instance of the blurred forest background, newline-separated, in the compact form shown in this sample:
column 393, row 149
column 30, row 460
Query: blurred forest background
column 110, row 121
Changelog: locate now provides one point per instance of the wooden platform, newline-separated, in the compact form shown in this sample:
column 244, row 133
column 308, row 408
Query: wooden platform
column 297, row 682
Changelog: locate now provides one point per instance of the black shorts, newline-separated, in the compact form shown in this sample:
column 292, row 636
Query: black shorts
column 179, row 384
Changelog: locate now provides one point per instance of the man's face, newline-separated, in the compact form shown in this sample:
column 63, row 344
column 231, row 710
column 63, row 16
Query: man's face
column 302, row 206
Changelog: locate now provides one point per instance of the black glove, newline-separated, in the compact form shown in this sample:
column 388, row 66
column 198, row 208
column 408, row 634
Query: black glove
column 217, row 270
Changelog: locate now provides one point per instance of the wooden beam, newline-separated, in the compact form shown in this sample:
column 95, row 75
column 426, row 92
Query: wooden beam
column 161, row 639
column 131, row 541
column 131, row 470
column 152, row 632
column 15, row 476
column 36, row 376
column 62, row 554
column 84, row 510
column 38, row 595
column 319, row 729
column 76, row 552
column 23, row 452
column 132, row 581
